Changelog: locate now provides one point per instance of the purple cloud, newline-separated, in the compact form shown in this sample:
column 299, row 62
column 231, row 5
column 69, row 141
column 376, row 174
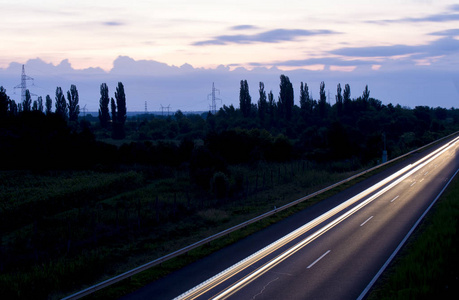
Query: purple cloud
column 449, row 32
column 112, row 23
column 442, row 46
column 243, row 27
column 272, row 36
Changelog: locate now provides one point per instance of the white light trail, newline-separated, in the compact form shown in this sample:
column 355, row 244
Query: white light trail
column 229, row 272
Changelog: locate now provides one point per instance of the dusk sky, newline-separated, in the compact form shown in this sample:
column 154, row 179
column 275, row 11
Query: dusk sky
column 393, row 46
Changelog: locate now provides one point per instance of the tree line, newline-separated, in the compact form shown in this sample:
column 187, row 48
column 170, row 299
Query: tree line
column 267, row 129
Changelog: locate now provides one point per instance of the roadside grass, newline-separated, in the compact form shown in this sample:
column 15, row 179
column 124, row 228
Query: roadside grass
column 428, row 265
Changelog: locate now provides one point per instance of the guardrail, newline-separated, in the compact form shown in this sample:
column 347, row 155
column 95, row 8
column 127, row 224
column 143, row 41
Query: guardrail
column 209, row 239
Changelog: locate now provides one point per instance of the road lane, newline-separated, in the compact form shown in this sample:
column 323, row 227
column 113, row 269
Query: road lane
column 184, row 279
column 353, row 249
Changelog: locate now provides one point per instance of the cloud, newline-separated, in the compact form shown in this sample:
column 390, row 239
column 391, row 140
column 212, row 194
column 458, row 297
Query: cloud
column 328, row 61
column 451, row 15
column 376, row 51
column 448, row 33
column 113, row 23
column 271, row 36
column 243, row 27
column 443, row 46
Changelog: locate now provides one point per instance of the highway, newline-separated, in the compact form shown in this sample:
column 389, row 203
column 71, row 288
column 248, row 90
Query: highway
column 332, row 251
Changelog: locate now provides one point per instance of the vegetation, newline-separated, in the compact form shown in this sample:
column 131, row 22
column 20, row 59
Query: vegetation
column 100, row 194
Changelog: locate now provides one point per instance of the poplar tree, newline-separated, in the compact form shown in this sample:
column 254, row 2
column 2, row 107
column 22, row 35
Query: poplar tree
column 27, row 103
column 339, row 99
column 48, row 104
column 285, row 97
column 366, row 94
column 119, row 112
column 104, row 115
column 73, row 99
column 322, row 100
column 60, row 103
column 113, row 109
column 271, row 106
column 4, row 103
column 262, row 103
column 40, row 104
column 306, row 103
column 245, row 101
column 347, row 102
column 120, row 97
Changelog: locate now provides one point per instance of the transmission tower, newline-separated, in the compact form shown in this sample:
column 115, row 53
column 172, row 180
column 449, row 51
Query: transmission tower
column 23, row 85
column 165, row 107
column 146, row 111
column 213, row 106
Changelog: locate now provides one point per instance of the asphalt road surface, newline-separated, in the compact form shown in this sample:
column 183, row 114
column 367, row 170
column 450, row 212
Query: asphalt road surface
column 332, row 250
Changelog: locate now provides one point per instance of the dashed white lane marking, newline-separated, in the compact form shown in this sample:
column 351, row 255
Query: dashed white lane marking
column 414, row 182
column 317, row 260
column 366, row 221
column 394, row 199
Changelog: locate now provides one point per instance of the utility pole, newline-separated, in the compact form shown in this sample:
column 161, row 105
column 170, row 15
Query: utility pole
column 213, row 106
column 23, row 85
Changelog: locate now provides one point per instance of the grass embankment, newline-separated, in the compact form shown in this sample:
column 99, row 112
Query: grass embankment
column 62, row 231
column 428, row 265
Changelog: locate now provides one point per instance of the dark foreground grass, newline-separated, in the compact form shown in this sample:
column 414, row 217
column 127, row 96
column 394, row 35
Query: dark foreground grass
column 428, row 265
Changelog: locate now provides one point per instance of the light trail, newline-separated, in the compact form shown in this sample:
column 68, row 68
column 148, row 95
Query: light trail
column 250, row 260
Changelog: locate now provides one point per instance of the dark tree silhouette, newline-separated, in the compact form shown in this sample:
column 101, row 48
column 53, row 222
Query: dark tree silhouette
column 73, row 99
column 48, row 104
column 27, row 103
column 61, row 104
column 262, row 102
column 271, row 106
column 366, row 94
column 40, row 104
column 339, row 100
column 120, row 97
column 113, row 109
column 104, row 115
column 306, row 103
column 4, row 103
column 322, row 101
column 245, row 101
column 286, row 98
column 347, row 102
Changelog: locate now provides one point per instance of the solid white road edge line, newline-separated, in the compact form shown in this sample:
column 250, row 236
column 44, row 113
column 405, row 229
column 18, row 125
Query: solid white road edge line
column 372, row 282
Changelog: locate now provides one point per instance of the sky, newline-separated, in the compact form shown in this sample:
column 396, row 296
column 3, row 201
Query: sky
column 168, row 53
